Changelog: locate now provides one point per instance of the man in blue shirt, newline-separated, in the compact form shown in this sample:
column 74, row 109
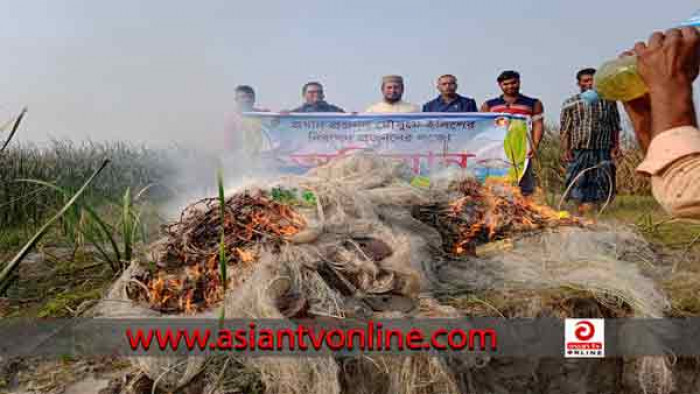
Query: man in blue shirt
column 314, row 100
column 449, row 100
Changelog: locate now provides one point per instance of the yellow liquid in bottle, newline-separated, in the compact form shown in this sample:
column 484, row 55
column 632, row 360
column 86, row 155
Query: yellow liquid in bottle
column 618, row 80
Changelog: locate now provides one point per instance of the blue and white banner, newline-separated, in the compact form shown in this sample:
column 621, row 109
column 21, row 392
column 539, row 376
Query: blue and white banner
column 487, row 144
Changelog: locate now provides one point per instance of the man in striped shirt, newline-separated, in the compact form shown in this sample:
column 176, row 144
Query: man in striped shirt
column 512, row 102
column 590, row 139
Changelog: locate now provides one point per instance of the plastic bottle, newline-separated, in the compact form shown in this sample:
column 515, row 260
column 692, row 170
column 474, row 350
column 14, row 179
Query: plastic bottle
column 618, row 79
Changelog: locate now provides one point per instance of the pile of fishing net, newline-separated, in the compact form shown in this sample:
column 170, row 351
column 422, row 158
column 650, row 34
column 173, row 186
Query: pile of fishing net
column 354, row 239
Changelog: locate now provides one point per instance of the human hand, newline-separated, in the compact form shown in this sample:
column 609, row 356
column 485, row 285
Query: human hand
column 568, row 156
column 616, row 152
column 669, row 60
column 668, row 64
column 639, row 112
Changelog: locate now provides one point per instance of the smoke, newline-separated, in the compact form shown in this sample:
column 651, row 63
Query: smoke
column 193, row 175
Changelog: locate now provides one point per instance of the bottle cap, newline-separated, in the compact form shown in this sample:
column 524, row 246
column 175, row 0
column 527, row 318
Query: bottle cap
column 590, row 97
column 693, row 21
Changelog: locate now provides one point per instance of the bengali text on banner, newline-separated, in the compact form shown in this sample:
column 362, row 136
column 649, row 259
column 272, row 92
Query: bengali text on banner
column 487, row 145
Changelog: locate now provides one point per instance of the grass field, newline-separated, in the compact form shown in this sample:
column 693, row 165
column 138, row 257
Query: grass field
column 67, row 165
column 82, row 251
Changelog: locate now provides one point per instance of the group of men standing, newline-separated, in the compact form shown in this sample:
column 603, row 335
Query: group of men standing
column 590, row 130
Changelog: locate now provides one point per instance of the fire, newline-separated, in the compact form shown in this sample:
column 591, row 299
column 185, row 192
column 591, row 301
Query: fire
column 495, row 210
column 276, row 219
column 288, row 230
column 175, row 284
column 156, row 290
column 193, row 272
column 189, row 309
column 197, row 285
column 245, row 256
column 167, row 294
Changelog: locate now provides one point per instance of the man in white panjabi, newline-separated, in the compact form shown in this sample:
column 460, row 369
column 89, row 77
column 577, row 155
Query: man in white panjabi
column 392, row 90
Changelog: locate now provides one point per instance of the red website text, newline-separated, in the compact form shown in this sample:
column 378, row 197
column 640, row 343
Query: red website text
column 373, row 337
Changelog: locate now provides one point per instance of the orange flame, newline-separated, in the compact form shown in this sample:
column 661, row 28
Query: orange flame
column 496, row 209
column 245, row 256
column 200, row 284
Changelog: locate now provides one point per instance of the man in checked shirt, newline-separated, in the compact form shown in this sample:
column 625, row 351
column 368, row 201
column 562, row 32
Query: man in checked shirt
column 590, row 139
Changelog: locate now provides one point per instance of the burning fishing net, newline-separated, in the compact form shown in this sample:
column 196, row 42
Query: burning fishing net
column 478, row 214
column 354, row 239
column 188, row 259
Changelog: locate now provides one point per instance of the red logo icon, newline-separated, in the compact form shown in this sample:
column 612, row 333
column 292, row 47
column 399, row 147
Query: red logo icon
column 584, row 330
column 584, row 338
column 502, row 122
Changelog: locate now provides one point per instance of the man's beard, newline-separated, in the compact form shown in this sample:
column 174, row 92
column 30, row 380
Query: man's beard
column 392, row 100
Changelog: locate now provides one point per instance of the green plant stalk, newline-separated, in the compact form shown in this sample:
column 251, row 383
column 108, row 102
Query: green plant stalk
column 222, row 243
column 12, row 265
column 107, row 231
column 127, row 225
column 222, row 263
column 14, row 129
column 114, row 265
column 93, row 215
column 136, row 229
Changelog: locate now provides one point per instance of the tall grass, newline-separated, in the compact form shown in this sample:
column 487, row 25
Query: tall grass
column 15, row 127
column 67, row 165
column 551, row 172
column 5, row 274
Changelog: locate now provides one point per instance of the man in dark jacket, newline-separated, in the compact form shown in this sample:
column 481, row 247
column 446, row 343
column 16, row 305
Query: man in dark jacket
column 314, row 100
column 449, row 100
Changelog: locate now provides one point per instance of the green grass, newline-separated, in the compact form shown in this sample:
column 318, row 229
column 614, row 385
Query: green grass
column 108, row 222
column 11, row 266
column 52, row 287
column 628, row 208
column 60, row 304
column 12, row 238
column 67, row 165
column 36, row 182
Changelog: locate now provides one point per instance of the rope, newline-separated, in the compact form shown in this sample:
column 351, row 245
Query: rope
column 580, row 174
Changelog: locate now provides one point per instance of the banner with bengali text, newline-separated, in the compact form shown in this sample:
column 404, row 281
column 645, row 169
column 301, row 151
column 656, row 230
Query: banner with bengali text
column 486, row 144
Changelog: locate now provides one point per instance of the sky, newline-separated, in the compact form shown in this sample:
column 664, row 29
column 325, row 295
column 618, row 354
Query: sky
column 164, row 72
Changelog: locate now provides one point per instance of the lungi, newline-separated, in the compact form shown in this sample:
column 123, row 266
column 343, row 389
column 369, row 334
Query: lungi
column 596, row 184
